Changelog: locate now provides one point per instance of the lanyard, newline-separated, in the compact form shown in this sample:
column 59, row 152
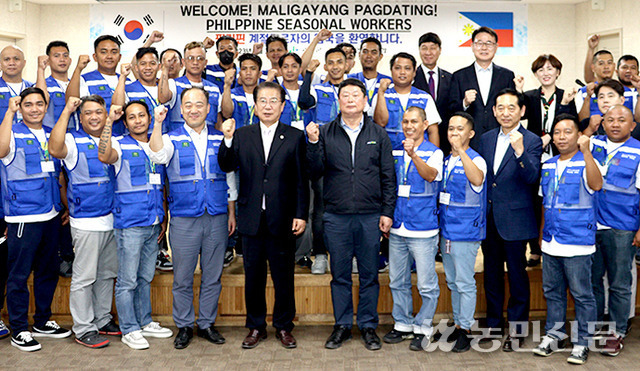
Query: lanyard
column 370, row 90
column 448, row 170
column 154, row 101
column 296, row 112
column 14, row 94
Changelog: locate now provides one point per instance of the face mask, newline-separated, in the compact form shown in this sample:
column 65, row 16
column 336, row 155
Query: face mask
column 226, row 57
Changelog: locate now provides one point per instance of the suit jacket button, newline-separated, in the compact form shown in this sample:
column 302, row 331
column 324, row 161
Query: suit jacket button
column 265, row 180
column 489, row 201
column 494, row 185
column 522, row 165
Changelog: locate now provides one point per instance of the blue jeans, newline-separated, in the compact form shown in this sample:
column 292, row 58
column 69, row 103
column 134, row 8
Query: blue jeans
column 614, row 255
column 459, row 268
column 346, row 236
column 137, row 251
column 557, row 273
column 401, row 252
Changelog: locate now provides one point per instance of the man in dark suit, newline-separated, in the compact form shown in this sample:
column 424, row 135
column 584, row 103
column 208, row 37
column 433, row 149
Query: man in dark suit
column 474, row 88
column 513, row 169
column 273, row 205
column 435, row 81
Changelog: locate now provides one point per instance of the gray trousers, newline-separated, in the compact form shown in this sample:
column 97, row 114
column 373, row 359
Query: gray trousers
column 205, row 237
column 95, row 268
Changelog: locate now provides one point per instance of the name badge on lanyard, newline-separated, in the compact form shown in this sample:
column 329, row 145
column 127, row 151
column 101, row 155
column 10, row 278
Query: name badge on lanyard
column 445, row 198
column 154, row 179
column 404, row 190
column 47, row 166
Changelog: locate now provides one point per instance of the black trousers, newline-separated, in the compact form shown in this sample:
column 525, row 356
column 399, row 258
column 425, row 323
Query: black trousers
column 4, row 268
column 279, row 251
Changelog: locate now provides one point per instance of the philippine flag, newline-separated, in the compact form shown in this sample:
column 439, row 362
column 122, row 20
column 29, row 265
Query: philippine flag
column 501, row 22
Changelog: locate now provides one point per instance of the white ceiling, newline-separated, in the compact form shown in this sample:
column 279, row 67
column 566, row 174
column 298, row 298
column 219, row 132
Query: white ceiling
column 53, row 2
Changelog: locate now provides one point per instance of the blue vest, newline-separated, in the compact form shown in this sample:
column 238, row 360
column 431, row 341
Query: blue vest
column 569, row 209
column 91, row 183
column 136, row 91
column 26, row 189
column 242, row 113
column 417, row 98
column 215, row 74
column 292, row 113
column 464, row 219
column 593, row 100
column 138, row 203
column 617, row 201
column 56, row 105
column 419, row 211
column 194, row 185
column 327, row 108
column 7, row 93
column 370, row 93
column 99, row 86
column 174, row 117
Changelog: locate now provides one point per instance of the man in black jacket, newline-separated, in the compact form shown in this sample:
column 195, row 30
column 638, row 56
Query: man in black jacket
column 354, row 156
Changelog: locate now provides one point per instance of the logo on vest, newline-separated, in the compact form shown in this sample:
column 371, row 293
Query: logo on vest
column 58, row 95
column 135, row 154
column 185, row 144
column 91, row 146
column 392, row 101
column 29, row 141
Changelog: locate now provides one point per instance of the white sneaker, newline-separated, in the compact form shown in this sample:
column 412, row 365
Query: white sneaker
column 319, row 265
column 135, row 340
column 154, row 330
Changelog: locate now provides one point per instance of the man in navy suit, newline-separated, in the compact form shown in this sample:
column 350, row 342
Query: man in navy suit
column 513, row 169
column 435, row 81
column 474, row 88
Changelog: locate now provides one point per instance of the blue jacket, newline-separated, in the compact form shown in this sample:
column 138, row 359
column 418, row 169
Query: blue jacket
column 136, row 91
column 242, row 113
column 26, row 188
column 417, row 98
column 419, row 211
column 6, row 93
column 617, row 202
column 138, row 202
column 464, row 219
column 569, row 212
column 326, row 108
column 196, row 185
column 56, row 105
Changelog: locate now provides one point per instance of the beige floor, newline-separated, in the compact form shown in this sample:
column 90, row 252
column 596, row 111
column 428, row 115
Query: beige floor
column 310, row 355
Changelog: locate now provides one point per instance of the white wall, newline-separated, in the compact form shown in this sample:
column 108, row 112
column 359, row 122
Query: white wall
column 552, row 28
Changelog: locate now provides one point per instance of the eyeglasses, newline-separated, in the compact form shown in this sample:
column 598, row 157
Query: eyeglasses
column 199, row 58
column 488, row 44
column 265, row 101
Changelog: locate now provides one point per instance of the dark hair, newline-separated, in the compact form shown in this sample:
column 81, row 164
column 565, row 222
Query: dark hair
column 544, row 58
column 484, row 29
column 170, row 50
column 352, row 82
column 269, row 85
column 430, row 37
column 226, row 37
column 371, row 40
column 276, row 38
column 613, row 84
column 56, row 44
column 206, row 93
column 465, row 116
column 403, row 55
column 599, row 53
column 132, row 102
column 295, row 56
column 250, row 57
column 514, row 92
column 105, row 38
column 348, row 46
column 335, row 50
column 142, row 51
column 627, row 57
column 420, row 110
column 91, row 98
column 565, row 116
column 32, row 90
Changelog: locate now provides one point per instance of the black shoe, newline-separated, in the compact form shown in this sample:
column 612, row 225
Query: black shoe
column 420, row 342
column 66, row 268
column 304, row 262
column 228, row 258
column 110, row 329
column 371, row 339
column 394, row 336
column 512, row 343
column 439, row 256
column 339, row 335
column 183, row 338
column 493, row 334
column 453, row 336
column 211, row 334
column 25, row 342
column 533, row 263
column 163, row 262
column 463, row 342
column 51, row 330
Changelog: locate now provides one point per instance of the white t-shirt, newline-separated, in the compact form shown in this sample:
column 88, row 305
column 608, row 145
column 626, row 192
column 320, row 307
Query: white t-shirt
column 434, row 161
column 174, row 94
column 42, row 138
column 96, row 224
column 478, row 161
column 556, row 248
column 430, row 109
